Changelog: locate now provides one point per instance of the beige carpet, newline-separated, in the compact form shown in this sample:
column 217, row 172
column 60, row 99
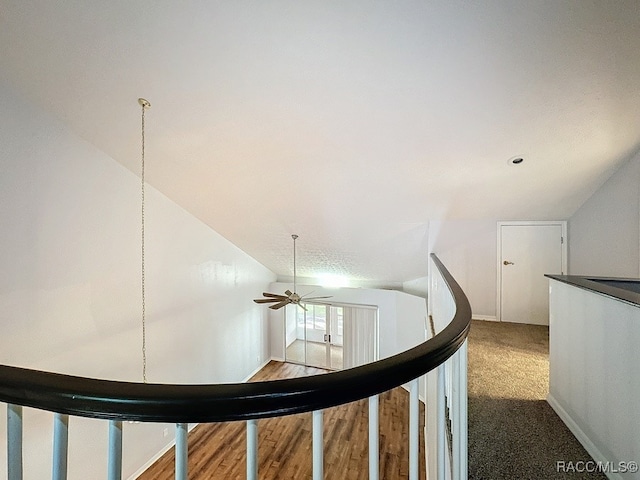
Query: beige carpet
column 513, row 432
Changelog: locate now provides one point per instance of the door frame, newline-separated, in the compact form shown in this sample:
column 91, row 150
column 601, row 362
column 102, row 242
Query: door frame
column 334, row 304
column 533, row 223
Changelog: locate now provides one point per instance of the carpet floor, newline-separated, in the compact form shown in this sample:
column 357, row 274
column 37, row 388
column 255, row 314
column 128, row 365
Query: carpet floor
column 513, row 432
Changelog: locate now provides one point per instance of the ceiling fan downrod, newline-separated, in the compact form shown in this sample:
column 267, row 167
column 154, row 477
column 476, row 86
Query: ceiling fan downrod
column 295, row 237
column 289, row 297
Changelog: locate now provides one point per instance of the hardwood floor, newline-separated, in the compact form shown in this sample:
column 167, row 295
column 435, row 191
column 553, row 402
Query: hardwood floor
column 217, row 451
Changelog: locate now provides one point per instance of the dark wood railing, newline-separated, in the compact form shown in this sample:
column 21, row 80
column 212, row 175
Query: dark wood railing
column 108, row 399
column 182, row 404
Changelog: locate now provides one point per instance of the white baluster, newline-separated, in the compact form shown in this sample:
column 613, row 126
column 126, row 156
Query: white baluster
column 441, row 443
column 318, row 445
column 182, row 451
column 414, row 428
column 455, row 416
column 60, row 446
column 14, row 442
column 252, row 450
column 460, row 439
column 114, row 469
column 374, row 442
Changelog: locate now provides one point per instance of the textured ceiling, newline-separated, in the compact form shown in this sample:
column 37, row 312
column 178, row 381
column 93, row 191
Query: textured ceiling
column 350, row 123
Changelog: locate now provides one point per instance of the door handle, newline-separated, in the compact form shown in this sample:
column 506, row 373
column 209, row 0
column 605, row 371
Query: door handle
column 507, row 262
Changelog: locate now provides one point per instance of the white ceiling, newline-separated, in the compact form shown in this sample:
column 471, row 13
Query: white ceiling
column 350, row 123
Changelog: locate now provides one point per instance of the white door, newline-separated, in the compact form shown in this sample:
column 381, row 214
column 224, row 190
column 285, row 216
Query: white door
column 526, row 252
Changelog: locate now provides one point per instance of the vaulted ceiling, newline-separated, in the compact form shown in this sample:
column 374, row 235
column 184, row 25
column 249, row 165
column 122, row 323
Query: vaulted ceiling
column 351, row 123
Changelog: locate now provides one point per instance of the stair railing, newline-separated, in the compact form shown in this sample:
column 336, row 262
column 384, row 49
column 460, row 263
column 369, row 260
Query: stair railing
column 117, row 402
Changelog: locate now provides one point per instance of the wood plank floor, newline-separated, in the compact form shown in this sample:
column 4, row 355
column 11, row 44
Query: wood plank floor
column 217, row 451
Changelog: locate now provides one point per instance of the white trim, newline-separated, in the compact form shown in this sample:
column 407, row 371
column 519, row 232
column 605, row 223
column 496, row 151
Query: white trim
column 588, row 445
column 485, row 318
column 264, row 364
column 561, row 223
column 278, row 359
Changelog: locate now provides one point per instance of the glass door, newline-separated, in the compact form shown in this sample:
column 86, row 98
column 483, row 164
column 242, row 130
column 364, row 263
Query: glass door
column 314, row 338
column 335, row 335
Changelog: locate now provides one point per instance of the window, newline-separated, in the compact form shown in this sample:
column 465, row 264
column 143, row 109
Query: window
column 316, row 316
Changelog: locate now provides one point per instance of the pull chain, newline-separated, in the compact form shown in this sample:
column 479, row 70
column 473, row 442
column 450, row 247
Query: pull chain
column 144, row 104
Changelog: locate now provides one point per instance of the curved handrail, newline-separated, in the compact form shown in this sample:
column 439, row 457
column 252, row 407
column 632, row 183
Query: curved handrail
column 108, row 399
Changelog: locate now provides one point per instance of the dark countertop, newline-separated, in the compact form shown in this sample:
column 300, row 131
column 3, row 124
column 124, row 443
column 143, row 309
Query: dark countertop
column 624, row 289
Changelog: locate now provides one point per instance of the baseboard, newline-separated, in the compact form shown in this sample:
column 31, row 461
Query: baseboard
column 171, row 444
column 278, row 359
column 157, row 456
column 264, row 364
column 486, row 318
column 586, row 442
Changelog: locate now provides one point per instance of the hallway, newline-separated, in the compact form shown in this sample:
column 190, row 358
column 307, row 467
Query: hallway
column 513, row 432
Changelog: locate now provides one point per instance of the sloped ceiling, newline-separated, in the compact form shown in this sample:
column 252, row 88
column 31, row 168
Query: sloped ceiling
column 350, row 123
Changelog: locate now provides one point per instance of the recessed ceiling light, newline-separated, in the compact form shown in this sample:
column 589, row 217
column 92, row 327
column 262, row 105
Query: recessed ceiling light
column 515, row 160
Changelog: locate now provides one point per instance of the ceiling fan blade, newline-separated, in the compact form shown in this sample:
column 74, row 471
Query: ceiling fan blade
column 301, row 305
column 315, row 298
column 280, row 301
column 280, row 305
column 273, row 295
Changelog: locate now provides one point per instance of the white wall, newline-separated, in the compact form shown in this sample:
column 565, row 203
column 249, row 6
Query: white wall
column 593, row 360
column 418, row 287
column 411, row 321
column 70, row 285
column 604, row 234
column 604, row 239
column 468, row 249
column 401, row 316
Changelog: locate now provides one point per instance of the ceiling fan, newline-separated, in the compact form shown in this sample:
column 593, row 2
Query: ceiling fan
column 280, row 301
